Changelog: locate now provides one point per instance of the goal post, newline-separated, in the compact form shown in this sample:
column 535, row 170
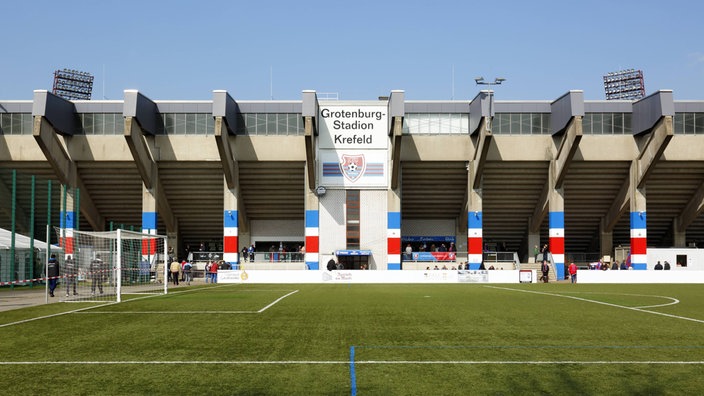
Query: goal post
column 106, row 265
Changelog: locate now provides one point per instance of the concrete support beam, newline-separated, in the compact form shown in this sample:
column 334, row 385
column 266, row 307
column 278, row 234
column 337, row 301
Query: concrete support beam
column 65, row 168
column 148, row 170
column 140, row 152
column 396, row 136
column 309, row 112
column 54, row 151
column 309, row 136
column 541, row 210
column 568, row 147
column 230, row 166
column 657, row 143
column 641, row 168
column 480, row 154
column 691, row 211
column 397, row 112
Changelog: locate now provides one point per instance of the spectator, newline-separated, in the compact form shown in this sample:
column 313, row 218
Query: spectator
column 667, row 266
column 187, row 272
column 545, row 270
column 175, row 268
column 52, row 272
column 658, row 266
column 214, row 272
column 97, row 273
column 573, row 272
column 71, row 275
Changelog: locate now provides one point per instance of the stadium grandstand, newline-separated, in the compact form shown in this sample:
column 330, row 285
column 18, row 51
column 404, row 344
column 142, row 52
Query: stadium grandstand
column 310, row 180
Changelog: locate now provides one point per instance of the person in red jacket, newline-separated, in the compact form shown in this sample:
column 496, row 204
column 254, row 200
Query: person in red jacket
column 214, row 272
column 573, row 272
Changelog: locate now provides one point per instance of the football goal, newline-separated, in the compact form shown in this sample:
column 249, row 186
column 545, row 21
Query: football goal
column 104, row 266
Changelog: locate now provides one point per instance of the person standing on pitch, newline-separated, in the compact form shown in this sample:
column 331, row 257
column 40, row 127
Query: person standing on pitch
column 71, row 271
column 52, row 272
column 545, row 269
column 573, row 272
column 96, row 272
column 175, row 268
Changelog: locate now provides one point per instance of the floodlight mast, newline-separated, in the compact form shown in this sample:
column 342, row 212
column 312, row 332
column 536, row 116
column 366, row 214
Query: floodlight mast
column 497, row 81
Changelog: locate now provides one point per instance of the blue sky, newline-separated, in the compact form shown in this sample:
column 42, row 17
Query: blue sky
column 433, row 50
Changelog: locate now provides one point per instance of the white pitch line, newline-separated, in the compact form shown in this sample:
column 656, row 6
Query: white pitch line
column 169, row 312
column 346, row 362
column 600, row 302
column 54, row 315
column 192, row 312
column 276, row 301
column 81, row 310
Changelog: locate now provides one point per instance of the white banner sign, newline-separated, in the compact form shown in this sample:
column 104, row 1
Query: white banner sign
column 350, row 126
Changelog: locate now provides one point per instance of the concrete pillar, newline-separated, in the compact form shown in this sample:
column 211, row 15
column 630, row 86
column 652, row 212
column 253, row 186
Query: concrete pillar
column 312, row 224
column 230, row 235
column 475, row 233
column 639, row 232
column 533, row 244
column 679, row 238
column 393, row 230
column 556, row 217
column 149, row 221
column 606, row 241
column 67, row 222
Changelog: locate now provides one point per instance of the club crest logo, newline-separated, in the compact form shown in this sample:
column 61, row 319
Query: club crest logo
column 353, row 166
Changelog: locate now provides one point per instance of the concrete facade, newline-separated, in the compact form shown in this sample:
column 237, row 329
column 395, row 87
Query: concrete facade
column 583, row 176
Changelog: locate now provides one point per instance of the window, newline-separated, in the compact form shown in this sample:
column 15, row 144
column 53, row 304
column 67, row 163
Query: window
column 689, row 123
column 436, row 123
column 352, row 216
column 606, row 124
column 521, row 123
column 264, row 124
column 15, row 123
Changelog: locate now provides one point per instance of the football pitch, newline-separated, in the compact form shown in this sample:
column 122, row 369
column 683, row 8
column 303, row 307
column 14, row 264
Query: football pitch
column 342, row 339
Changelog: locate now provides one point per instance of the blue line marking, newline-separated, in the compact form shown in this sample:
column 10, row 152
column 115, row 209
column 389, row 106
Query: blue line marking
column 353, row 377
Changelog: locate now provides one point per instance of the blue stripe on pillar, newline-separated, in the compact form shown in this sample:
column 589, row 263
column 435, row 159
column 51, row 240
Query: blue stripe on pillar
column 68, row 220
column 393, row 220
column 312, row 218
column 230, row 218
column 149, row 220
column 557, row 220
column 474, row 219
column 638, row 220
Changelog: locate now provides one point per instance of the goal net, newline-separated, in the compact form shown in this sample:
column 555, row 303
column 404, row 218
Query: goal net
column 104, row 266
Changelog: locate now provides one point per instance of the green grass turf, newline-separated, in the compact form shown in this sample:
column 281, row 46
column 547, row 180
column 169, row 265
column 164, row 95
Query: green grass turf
column 407, row 339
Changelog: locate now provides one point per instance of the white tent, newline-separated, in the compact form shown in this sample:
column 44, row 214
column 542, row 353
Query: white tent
column 21, row 241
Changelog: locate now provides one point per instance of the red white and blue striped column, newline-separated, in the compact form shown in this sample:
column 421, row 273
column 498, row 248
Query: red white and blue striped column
column 230, row 238
column 475, row 239
column 149, row 227
column 393, row 240
column 639, row 241
column 67, row 225
column 557, row 242
column 312, row 234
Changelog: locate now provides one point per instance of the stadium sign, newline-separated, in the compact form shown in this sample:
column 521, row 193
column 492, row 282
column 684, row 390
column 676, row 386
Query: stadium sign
column 353, row 126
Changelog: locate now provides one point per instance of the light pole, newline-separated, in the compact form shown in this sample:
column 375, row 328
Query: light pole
column 497, row 81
